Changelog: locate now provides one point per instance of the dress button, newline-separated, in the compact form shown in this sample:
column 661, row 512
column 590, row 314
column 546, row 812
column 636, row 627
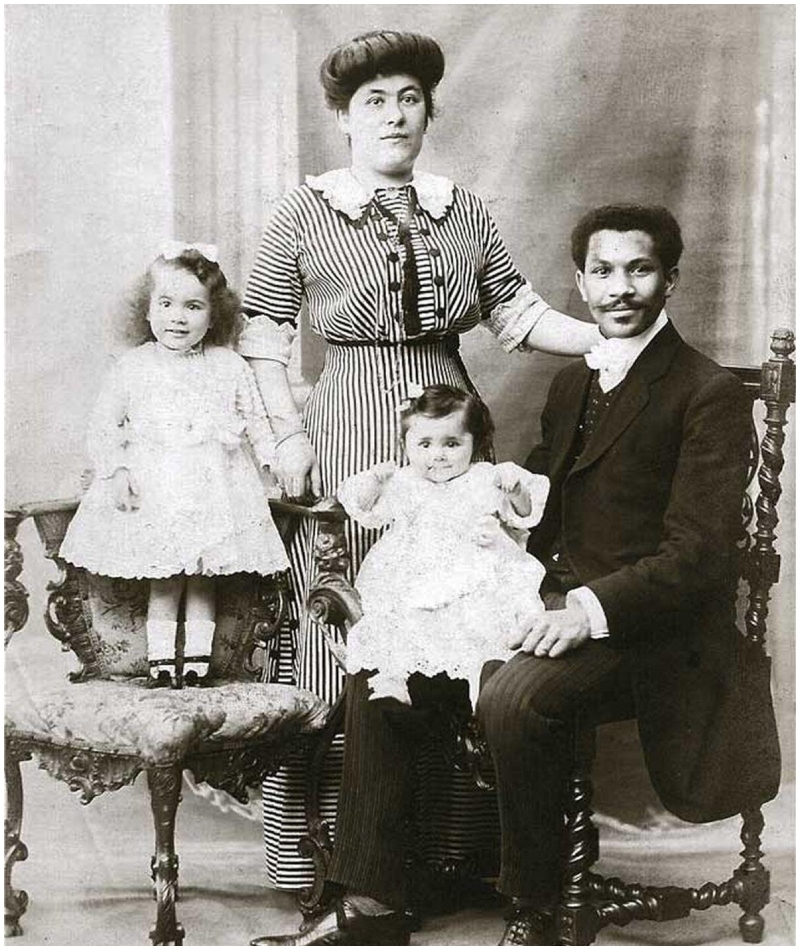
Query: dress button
column 434, row 252
column 394, row 257
column 383, row 237
column 394, row 285
column 424, row 231
column 438, row 280
column 440, row 312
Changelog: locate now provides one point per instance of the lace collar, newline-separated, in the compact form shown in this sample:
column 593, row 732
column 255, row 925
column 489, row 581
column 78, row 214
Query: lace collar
column 345, row 193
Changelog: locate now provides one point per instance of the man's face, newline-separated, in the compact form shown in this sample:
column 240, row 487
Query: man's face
column 623, row 282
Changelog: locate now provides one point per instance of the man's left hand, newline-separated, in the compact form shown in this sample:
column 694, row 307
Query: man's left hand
column 555, row 632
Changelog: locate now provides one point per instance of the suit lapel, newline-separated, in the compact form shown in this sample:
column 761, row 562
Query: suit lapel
column 570, row 408
column 632, row 396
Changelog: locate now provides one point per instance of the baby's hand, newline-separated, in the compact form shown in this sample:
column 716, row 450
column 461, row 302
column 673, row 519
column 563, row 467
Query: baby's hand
column 124, row 490
column 506, row 478
column 383, row 471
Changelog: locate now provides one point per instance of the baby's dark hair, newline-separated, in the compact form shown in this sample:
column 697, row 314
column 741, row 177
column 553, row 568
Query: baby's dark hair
column 224, row 303
column 441, row 400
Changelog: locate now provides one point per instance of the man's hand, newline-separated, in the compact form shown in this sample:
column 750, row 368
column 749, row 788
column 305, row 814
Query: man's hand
column 296, row 467
column 506, row 478
column 124, row 490
column 555, row 632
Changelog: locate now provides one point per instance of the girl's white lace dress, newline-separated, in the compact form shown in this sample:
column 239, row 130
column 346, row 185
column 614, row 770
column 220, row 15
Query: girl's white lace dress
column 192, row 430
column 446, row 587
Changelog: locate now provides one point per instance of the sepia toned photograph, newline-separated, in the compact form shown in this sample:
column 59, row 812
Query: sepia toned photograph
column 400, row 474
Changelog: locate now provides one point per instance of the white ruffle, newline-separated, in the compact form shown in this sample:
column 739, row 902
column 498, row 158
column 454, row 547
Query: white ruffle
column 345, row 193
column 263, row 339
column 513, row 320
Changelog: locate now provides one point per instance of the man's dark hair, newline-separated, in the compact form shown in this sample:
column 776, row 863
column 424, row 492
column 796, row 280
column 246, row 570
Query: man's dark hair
column 652, row 219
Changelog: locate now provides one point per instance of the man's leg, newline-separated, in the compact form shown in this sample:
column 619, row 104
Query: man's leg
column 372, row 818
column 526, row 710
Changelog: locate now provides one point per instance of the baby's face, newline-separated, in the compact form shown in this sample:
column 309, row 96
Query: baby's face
column 180, row 313
column 439, row 449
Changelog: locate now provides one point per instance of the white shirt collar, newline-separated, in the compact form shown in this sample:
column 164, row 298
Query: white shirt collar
column 613, row 358
column 345, row 193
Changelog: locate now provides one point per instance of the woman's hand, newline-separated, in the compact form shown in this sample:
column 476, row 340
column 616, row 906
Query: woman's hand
column 124, row 490
column 296, row 467
column 506, row 478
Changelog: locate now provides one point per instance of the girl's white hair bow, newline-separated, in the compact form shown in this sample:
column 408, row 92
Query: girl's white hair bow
column 172, row 249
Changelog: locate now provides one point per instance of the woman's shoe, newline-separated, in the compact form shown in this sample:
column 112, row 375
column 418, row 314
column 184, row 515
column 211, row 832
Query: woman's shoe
column 344, row 925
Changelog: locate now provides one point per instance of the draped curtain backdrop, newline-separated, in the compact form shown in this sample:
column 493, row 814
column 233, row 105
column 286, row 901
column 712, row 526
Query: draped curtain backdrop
column 204, row 115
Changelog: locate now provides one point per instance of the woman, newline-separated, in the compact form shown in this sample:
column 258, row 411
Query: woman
column 394, row 265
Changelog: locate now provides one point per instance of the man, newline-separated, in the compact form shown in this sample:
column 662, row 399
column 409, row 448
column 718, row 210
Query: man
column 646, row 446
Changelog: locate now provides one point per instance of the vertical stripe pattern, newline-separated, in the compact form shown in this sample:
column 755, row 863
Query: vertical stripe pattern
column 349, row 272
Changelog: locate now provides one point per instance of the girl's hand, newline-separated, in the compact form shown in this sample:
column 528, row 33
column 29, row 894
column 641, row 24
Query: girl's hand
column 124, row 490
column 296, row 467
column 506, row 478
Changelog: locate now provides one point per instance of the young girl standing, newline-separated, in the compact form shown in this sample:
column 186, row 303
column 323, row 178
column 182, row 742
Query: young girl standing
column 450, row 583
column 176, row 439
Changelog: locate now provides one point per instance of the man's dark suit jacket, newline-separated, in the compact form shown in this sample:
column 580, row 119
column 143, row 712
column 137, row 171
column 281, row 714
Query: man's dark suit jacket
column 649, row 515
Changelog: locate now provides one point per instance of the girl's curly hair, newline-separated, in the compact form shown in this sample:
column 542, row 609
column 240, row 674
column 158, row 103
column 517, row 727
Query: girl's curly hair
column 134, row 327
column 441, row 400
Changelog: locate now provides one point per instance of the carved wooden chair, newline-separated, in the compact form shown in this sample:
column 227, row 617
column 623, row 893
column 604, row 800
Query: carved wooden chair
column 105, row 727
column 590, row 902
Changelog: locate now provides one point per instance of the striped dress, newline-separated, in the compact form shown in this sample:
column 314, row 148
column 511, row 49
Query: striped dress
column 332, row 244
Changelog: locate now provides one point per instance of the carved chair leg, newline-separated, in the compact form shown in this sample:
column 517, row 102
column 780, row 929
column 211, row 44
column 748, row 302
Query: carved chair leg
column 317, row 844
column 16, row 901
column 753, row 878
column 576, row 917
column 165, row 789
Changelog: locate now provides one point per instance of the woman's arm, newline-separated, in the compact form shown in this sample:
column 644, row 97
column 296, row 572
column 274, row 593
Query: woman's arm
column 561, row 334
column 296, row 466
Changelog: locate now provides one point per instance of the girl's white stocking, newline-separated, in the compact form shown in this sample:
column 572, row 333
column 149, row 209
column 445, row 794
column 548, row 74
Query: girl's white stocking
column 161, row 636
column 197, row 650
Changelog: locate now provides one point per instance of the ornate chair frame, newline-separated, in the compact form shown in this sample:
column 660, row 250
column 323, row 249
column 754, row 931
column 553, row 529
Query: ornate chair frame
column 233, row 767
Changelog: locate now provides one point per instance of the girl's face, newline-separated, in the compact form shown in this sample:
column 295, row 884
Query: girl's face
column 180, row 312
column 439, row 449
column 386, row 120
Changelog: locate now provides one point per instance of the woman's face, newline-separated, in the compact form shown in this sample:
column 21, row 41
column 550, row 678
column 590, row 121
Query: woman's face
column 386, row 120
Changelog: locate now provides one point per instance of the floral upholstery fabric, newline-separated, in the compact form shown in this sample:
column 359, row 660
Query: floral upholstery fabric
column 162, row 726
column 115, row 641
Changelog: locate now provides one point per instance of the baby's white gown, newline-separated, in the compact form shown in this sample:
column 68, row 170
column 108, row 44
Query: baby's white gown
column 449, row 584
column 192, row 430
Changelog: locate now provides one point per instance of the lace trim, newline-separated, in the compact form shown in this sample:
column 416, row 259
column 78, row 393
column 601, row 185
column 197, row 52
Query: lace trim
column 346, row 194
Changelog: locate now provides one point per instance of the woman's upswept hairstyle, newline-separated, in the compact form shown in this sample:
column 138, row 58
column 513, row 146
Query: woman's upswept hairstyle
column 224, row 304
column 654, row 220
column 441, row 400
column 385, row 53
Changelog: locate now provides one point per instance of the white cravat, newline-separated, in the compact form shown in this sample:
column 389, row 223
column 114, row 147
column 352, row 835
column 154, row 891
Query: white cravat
column 613, row 358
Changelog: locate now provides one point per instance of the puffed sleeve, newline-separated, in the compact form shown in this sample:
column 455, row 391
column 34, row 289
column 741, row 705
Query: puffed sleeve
column 357, row 496
column 250, row 409
column 274, row 291
column 108, row 434
column 510, row 307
